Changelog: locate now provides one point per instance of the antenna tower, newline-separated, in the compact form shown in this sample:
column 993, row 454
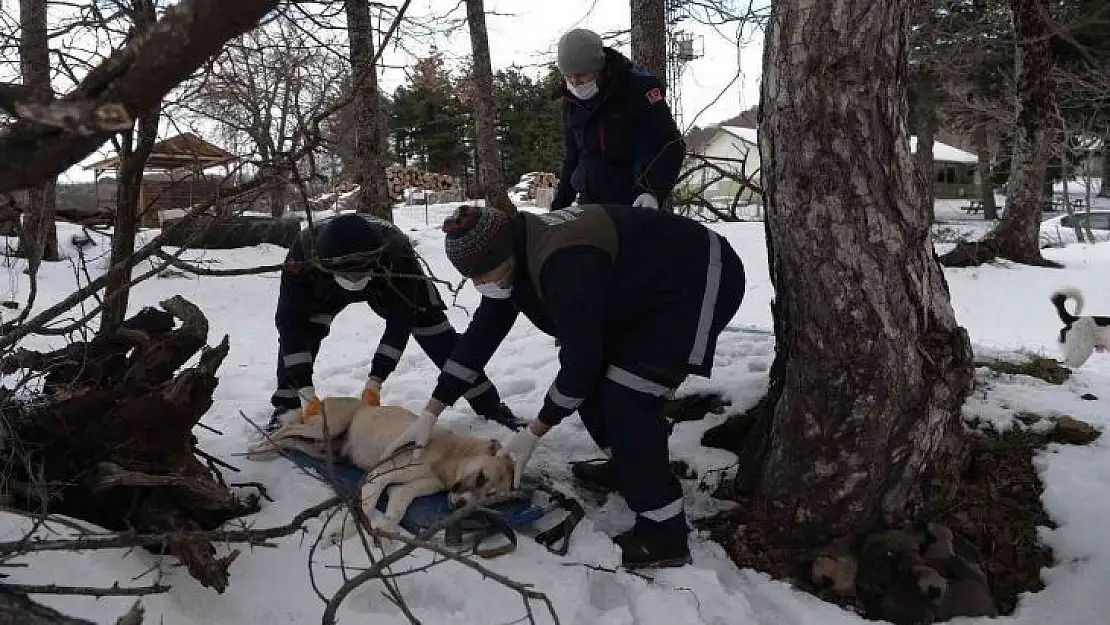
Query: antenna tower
column 682, row 48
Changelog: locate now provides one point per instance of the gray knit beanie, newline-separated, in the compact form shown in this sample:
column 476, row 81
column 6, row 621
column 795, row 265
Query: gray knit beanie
column 478, row 239
column 580, row 52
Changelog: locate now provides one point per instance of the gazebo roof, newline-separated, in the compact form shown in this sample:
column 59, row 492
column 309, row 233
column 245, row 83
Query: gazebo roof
column 185, row 150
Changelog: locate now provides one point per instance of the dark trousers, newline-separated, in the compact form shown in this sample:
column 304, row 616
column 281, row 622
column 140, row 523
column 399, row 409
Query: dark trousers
column 625, row 412
column 625, row 416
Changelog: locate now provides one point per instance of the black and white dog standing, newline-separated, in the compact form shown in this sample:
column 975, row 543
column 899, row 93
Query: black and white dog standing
column 1081, row 334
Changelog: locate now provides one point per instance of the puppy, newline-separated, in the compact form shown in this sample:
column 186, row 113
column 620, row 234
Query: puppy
column 467, row 466
column 1081, row 335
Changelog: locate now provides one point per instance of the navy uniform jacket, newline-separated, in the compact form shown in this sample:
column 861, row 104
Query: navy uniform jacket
column 621, row 143
column 309, row 299
column 623, row 286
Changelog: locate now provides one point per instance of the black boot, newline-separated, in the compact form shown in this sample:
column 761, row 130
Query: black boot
column 600, row 476
column 505, row 417
column 275, row 419
column 655, row 545
column 597, row 475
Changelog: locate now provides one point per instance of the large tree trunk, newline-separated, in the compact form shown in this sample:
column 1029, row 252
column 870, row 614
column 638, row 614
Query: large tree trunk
column 926, row 105
column 868, row 385
column 649, row 36
column 1017, row 236
column 40, row 235
column 369, row 154
column 278, row 196
column 984, row 172
column 485, row 129
column 926, row 138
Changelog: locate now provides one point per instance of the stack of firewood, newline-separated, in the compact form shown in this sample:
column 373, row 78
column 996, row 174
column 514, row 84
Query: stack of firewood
column 542, row 180
column 399, row 179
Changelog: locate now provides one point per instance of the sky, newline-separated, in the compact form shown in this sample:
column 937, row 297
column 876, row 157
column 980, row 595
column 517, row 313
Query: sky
column 527, row 32
column 719, row 85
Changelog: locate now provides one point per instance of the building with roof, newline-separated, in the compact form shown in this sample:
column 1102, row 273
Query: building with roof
column 177, row 178
column 735, row 149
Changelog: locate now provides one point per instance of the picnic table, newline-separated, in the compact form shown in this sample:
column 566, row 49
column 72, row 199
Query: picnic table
column 1057, row 204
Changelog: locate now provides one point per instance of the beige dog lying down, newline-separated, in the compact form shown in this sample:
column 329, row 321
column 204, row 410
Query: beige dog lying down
column 467, row 466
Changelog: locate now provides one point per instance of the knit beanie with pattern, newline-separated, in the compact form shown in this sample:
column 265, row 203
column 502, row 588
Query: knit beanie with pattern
column 478, row 239
column 580, row 52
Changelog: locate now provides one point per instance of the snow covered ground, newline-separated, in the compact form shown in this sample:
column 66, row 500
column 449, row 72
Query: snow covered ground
column 1004, row 307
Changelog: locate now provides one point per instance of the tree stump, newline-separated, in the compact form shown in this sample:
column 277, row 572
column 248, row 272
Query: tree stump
column 18, row 609
column 969, row 255
column 109, row 438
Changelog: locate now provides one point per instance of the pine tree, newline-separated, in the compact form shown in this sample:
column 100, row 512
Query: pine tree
column 428, row 120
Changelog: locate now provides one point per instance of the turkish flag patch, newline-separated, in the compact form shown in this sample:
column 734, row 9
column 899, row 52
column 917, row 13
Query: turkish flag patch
column 654, row 95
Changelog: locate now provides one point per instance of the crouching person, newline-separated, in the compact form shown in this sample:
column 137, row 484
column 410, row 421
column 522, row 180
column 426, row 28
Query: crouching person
column 359, row 258
column 636, row 298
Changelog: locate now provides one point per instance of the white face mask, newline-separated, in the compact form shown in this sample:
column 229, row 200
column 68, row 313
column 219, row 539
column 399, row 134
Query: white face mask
column 493, row 290
column 352, row 285
column 584, row 91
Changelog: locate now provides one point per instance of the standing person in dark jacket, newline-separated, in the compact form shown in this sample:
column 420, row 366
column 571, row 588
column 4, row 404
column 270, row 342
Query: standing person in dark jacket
column 359, row 258
column 621, row 143
column 637, row 298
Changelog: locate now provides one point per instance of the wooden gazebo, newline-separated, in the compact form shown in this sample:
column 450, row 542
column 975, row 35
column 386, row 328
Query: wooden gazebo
column 179, row 181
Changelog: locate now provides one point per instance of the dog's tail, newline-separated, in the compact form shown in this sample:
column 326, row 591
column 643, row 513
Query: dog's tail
column 1061, row 296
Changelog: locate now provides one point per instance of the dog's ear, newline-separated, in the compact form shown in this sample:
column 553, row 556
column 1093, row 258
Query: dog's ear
column 494, row 446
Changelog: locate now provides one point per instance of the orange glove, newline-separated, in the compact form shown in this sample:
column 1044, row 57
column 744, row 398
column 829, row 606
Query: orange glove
column 372, row 392
column 310, row 403
column 311, row 409
column 371, row 397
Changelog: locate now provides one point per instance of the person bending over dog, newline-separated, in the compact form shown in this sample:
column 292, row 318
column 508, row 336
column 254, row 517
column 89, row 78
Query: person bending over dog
column 637, row 298
column 359, row 258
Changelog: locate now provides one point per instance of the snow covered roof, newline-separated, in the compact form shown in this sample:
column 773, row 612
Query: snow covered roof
column 744, row 134
column 941, row 151
column 946, row 153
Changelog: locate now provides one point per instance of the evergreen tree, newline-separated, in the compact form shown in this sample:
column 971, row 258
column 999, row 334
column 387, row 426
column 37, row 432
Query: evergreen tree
column 529, row 126
column 428, row 120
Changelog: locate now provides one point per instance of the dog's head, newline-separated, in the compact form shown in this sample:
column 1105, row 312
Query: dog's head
column 266, row 450
column 481, row 476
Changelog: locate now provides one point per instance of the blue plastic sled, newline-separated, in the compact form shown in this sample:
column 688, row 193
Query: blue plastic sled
column 426, row 511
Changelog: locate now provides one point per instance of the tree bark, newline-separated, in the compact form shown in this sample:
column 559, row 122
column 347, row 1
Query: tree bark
column 485, row 128
column 868, row 383
column 19, row 609
column 369, row 155
column 983, row 165
column 1104, row 189
column 278, row 196
column 926, row 138
column 649, row 36
column 40, row 234
column 133, row 157
column 1017, row 235
column 134, row 152
column 926, row 105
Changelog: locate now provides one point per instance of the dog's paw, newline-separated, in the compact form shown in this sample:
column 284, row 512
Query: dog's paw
column 262, row 450
column 339, row 531
column 385, row 524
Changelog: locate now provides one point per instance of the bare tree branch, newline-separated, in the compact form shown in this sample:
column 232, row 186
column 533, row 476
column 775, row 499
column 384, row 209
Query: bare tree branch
column 136, row 77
